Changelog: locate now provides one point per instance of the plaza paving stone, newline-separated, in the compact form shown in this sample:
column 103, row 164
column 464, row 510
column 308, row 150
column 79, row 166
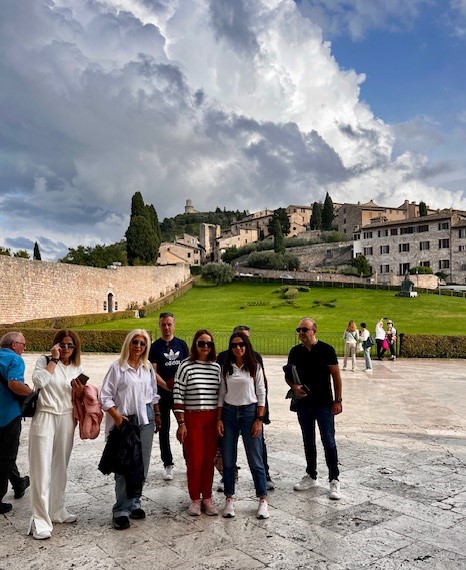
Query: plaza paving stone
column 402, row 450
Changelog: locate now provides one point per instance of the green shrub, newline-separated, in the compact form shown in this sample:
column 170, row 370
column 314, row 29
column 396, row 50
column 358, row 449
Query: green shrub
column 291, row 293
column 432, row 346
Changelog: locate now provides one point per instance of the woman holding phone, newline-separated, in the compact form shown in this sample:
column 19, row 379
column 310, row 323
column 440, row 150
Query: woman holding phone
column 52, row 432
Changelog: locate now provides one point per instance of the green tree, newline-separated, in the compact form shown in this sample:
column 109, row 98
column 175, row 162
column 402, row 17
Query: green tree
column 327, row 213
column 143, row 236
column 362, row 266
column 5, row 251
column 422, row 209
column 278, row 239
column 279, row 215
column 22, row 253
column 218, row 273
column 36, row 254
column 316, row 218
column 98, row 256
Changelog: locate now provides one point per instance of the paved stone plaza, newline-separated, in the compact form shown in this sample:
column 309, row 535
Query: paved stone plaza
column 402, row 451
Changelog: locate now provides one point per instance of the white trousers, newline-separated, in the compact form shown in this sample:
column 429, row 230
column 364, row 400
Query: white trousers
column 50, row 444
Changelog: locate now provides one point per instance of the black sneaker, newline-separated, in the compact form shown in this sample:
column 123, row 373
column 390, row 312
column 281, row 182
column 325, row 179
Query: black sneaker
column 21, row 488
column 121, row 523
column 5, row 508
column 137, row 514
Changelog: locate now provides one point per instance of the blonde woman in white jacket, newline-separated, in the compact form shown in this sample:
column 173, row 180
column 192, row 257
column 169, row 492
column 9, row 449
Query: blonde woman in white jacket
column 351, row 338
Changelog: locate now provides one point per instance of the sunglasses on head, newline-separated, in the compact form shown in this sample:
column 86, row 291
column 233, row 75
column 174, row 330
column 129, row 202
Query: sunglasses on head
column 237, row 344
column 303, row 329
column 204, row 344
column 138, row 343
column 67, row 345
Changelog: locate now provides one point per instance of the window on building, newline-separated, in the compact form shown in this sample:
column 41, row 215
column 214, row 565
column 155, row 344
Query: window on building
column 424, row 263
column 189, row 254
column 394, row 232
column 422, row 228
column 385, row 268
column 403, row 247
column 462, row 233
column 423, row 245
column 357, row 237
column 407, row 230
column 444, row 225
column 384, row 249
column 367, row 235
column 444, row 264
column 443, row 243
column 403, row 268
column 462, row 248
column 368, row 251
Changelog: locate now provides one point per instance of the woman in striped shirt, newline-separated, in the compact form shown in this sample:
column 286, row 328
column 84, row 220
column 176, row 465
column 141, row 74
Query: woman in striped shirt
column 195, row 395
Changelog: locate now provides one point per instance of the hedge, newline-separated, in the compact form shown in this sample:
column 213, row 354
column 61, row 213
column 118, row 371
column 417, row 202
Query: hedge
column 431, row 346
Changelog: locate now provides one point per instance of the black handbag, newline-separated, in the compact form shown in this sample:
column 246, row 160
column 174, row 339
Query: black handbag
column 29, row 404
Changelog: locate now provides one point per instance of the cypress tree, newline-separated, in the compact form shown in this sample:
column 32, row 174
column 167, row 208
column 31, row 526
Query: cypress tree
column 316, row 218
column 36, row 255
column 327, row 213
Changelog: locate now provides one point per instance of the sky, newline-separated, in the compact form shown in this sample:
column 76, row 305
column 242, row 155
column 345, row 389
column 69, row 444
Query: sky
column 246, row 105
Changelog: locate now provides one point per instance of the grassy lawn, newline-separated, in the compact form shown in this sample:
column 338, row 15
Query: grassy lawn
column 259, row 306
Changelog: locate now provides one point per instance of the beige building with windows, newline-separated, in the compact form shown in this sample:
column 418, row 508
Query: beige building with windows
column 184, row 249
column 437, row 241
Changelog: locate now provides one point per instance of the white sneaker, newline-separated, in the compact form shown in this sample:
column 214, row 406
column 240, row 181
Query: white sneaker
column 168, row 473
column 209, row 507
column 194, row 509
column 335, row 490
column 306, row 483
column 263, row 510
column 270, row 485
column 38, row 535
column 229, row 508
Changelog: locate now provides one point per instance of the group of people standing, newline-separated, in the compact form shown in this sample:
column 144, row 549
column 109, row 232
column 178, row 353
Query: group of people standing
column 215, row 399
column 361, row 340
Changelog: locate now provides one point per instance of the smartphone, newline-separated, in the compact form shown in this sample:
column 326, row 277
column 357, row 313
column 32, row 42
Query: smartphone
column 82, row 378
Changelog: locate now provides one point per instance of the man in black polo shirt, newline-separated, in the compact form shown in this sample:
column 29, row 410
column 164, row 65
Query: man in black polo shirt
column 166, row 354
column 316, row 368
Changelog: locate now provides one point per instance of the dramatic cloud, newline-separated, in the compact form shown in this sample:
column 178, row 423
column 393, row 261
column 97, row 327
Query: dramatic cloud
column 237, row 104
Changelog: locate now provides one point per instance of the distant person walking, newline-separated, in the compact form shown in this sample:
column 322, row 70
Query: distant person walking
column 391, row 339
column 12, row 367
column 365, row 337
column 195, row 396
column 379, row 339
column 166, row 354
column 351, row 338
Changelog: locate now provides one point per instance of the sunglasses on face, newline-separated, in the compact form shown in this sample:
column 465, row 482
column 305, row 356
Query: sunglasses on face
column 204, row 344
column 303, row 329
column 67, row 345
column 237, row 344
column 138, row 343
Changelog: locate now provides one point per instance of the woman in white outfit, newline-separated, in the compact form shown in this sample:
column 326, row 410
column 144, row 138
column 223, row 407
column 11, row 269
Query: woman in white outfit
column 351, row 337
column 52, row 432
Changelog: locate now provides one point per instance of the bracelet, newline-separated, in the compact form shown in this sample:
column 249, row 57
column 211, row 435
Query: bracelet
column 56, row 360
column 157, row 414
column 337, row 401
column 260, row 418
column 180, row 423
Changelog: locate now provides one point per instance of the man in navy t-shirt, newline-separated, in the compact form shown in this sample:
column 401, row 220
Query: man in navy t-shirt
column 313, row 375
column 166, row 354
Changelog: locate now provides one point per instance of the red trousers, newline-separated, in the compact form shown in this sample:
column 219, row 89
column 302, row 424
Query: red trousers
column 200, row 448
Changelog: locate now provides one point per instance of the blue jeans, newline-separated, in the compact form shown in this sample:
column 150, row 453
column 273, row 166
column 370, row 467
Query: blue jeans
column 236, row 420
column 123, row 505
column 308, row 415
column 367, row 358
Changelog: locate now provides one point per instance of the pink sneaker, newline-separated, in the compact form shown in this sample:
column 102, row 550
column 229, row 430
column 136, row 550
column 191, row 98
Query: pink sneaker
column 194, row 509
column 209, row 507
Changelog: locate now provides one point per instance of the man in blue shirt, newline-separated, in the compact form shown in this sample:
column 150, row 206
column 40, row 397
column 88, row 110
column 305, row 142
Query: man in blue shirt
column 12, row 367
column 166, row 354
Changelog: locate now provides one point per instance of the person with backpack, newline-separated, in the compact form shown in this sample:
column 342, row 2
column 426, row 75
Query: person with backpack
column 367, row 344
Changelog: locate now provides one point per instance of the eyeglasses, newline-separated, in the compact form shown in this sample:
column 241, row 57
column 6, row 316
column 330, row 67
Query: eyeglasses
column 67, row 345
column 237, row 344
column 138, row 343
column 303, row 329
column 204, row 344
column 19, row 342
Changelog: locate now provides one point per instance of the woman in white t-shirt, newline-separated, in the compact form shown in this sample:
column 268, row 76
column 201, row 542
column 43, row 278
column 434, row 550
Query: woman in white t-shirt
column 241, row 409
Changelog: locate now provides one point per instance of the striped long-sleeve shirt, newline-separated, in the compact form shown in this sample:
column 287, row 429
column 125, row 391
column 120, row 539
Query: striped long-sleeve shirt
column 196, row 385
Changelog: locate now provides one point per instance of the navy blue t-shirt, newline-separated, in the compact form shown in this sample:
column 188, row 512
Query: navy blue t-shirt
column 168, row 355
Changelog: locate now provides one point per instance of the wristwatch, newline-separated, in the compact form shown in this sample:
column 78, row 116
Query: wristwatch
column 337, row 401
column 260, row 418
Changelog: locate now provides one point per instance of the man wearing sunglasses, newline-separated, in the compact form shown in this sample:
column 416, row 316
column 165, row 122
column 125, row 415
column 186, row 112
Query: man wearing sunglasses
column 221, row 359
column 318, row 399
column 12, row 384
column 166, row 354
